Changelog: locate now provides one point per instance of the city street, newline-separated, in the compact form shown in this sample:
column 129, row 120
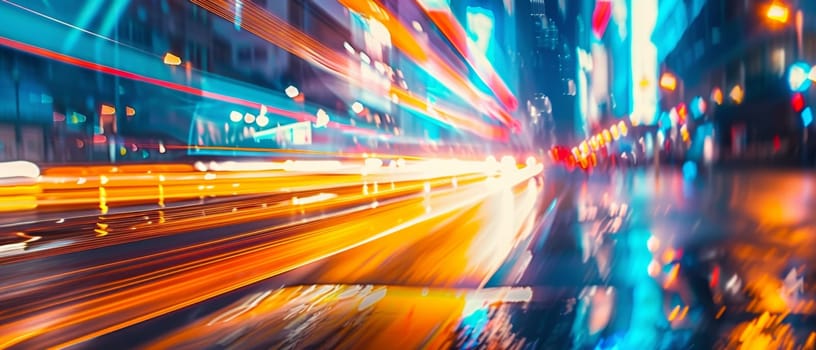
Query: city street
column 600, row 249
column 591, row 284
column 408, row 174
column 75, row 288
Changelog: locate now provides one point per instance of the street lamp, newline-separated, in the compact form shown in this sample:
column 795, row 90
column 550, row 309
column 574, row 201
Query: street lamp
column 799, row 77
column 778, row 12
column 736, row 94
column 357, row 107
column 668, row 81
column 171, row 59
column 236, row 116
column 292, row 91
column 249, row 118
column 262, row 120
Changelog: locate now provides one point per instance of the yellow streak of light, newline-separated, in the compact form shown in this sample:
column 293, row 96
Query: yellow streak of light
column 673, row 313
column 171, row 290
column 103, row 200
column 684, row 313
column 17, row 203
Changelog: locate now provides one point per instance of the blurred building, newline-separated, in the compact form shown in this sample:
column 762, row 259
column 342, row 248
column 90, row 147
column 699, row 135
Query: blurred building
column 606, row 83
column 132, row 84
column 548, row 62
column 733, row 56
column 56, row 110
column 493, row 28
column 91, row 114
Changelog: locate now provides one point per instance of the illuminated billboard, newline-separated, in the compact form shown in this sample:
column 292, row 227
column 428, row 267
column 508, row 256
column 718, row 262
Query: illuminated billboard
column 480, row 23
column 644, row 63
column 491, row 28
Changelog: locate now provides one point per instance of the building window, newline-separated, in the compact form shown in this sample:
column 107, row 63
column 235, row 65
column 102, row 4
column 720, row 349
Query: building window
column 734, row 9
column 261, row 55
column 245, row 54
column 699, row 48
column 715, row 35
column 778, row 61
column 139, row 34
column 754, row 63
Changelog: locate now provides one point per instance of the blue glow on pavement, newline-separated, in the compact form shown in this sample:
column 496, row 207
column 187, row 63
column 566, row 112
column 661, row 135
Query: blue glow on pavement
column 474, row 324
column 690, row 170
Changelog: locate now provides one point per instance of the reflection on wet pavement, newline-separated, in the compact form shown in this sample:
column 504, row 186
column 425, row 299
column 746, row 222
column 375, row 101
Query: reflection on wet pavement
column 626, row 261
column 380, row 317
column 716, row 262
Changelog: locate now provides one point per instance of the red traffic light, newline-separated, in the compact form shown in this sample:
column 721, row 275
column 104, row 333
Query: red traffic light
column 798, row 102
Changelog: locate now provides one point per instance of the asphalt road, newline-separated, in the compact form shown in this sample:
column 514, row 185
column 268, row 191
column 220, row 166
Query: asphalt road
column 620, row 263
column 658, row 241
column 628, row 258
column 77, row 287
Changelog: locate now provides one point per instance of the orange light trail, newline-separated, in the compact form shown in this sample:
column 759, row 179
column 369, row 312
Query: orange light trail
column 434, row 63
column 202, row 274
column 400, row 317
column 450, row 27
column 349, row 190
column 278, row 32
column 299, row 116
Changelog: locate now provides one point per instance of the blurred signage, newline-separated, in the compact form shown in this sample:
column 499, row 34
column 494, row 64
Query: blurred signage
column 600, row 73
column 644, row 63
column 480, row 23
column 301, row 133
column 601, row 17
column 295, row 134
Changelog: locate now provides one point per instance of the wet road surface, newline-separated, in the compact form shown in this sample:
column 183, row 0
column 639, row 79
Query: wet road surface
column 627, row 259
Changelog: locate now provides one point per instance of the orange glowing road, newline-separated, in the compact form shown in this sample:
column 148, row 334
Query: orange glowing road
column 278, row 191
column 68, row 188
column 386, row 317
column 74, row 305
column 461, row 252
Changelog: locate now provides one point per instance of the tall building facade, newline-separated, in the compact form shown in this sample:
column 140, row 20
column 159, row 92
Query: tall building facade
column 548, row 60
column 240, row 75
column 46, row 56
column 734, row 56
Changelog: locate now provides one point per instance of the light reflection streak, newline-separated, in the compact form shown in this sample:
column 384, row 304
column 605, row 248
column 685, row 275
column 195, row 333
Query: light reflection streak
column 429, row 59
column 300, row 116
column 332, row 306
column 408, row 184
column 104, row 187
column 450, row 27
column 124, row 302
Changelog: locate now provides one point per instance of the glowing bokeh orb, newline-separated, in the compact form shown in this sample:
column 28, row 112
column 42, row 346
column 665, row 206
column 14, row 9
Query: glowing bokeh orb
column 799, row 77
